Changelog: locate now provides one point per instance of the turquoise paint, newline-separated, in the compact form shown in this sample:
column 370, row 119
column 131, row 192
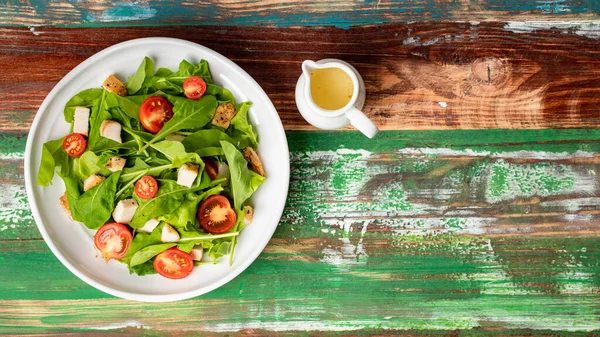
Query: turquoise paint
column 313, row 14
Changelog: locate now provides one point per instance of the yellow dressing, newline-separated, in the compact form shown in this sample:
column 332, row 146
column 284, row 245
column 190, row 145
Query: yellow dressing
column 331, row 88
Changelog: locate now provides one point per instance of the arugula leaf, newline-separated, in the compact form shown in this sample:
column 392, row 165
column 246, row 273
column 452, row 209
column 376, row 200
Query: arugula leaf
column 241, row 129
column 95, row 206
column 84, row 98
column 53, row 155
column 205, row 138
column 188, row 114
column 186, row 213
column 139, row 167
column 134, row 83
column 171, row 82
column 123, row 110
column 141, row 240
column 149, row 252
column 98, row 115
column 169, row 197
column 221, row 93
column 243, row 181
column 210, row 152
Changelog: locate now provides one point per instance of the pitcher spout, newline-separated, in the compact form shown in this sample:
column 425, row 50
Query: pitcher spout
column 308, row 66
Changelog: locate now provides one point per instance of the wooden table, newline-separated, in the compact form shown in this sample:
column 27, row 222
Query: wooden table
column 475, row 212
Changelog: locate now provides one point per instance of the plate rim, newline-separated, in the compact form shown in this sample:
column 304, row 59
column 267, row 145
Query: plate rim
column 29, row 180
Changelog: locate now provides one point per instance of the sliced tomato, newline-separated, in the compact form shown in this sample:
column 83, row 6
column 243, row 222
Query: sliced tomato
column 216, row 215
column 155, row 111
column 194, row 87
column 211, row 167
column 174, row 263
column 146, row 187
column 112, row 240
column 74, row 144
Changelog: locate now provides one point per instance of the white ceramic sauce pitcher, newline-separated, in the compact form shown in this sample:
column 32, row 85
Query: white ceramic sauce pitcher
column 331, row 119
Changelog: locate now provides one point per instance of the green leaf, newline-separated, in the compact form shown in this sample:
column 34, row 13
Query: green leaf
column 240, row 128
column 210, row 152
column 98, row 115
column 205, row 138
column 149, row 252
column 141, row 240
column 169, row 197
column 175, row 152
column 139, row 167
column 146, row 268
column 172, row 82
column 186, row 213
column 88, row 164
column 188, row 114
column 243, row 181
column 222, row 94
column 95, row 206
column 134, row 83
column 84, row 98
column 53, row 155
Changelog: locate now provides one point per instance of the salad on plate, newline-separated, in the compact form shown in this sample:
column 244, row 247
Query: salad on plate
column 161, row 168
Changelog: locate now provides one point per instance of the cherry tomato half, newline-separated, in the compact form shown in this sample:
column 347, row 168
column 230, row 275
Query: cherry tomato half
column 174, row 263
column 155, row 111
column 74, row 144
column 216, row 215
column 194, row 87
column 112, row 240
column 146, row 187
column 211, row 167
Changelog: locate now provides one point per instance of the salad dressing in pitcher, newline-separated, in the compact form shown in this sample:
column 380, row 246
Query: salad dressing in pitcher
column 331, row 88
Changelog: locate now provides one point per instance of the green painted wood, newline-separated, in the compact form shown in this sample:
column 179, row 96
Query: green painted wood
column 286, row 13
column 488, row 232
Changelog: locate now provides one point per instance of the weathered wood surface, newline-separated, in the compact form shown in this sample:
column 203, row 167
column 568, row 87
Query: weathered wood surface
column 287, row 13
column 418, row 76
column 488, row 232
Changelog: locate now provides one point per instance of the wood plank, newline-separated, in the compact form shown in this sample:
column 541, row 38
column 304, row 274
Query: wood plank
column 418, row 76
column 491, row 230
column 286, row 13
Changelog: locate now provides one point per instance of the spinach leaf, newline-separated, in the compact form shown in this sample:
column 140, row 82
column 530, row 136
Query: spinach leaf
column 243, row 181
column 95, row 206
column 210, row 152
column 146, row 268
column 149, row 252
column 188, row 114
column 144, row 71
column 186, row 213
column 98, row 115
column 84, row 98
column 175, row 152
column 169, row 197
column 241, row 129
column 89, row 163
column 53, row 155
column 221, row 93
column 205, row 138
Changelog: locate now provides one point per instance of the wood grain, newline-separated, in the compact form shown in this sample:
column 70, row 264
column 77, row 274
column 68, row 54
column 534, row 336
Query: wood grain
column 418, row 76
column 462, row 232
column 286, row 13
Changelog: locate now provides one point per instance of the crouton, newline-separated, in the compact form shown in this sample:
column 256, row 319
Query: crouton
column 115, row 164
column 64, row 202
column 224, row 115
column 92, row 181
column 115, row 86
column 255, row 163
column 248, row 215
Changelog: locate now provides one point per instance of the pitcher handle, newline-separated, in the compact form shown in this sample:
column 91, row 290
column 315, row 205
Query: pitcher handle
column 362, row 122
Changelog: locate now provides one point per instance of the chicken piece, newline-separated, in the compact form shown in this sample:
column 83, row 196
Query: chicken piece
column 115, row 164
column 255, row 163
column 112, row 84
column 224, row 115
column 149, row 226
column 81, row 120
column 187, row 174
column 125, row 210
column 111, row 130
column 169, row 234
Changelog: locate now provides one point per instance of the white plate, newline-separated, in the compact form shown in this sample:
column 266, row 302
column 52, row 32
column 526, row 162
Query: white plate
column 72, row 243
